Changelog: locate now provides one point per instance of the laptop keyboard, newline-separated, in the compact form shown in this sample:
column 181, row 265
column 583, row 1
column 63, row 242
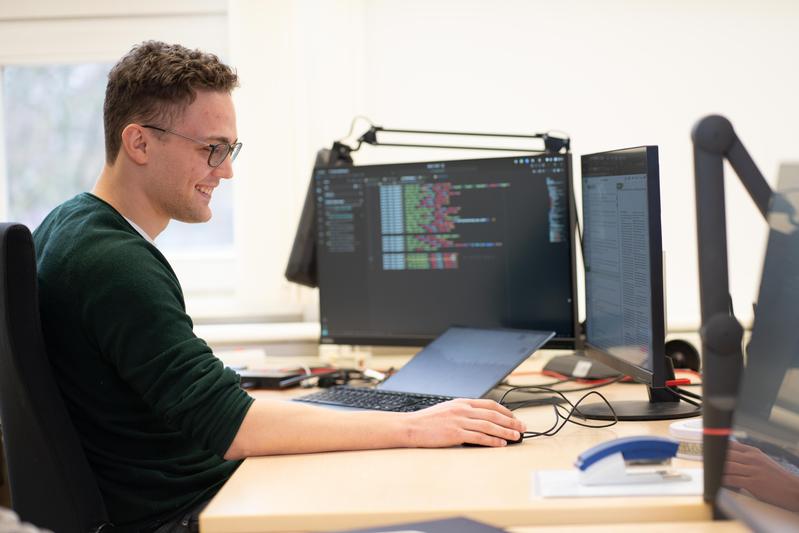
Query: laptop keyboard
column 372, row 399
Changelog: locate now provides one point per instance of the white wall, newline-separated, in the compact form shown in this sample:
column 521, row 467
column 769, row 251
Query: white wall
column 54, row 31
column 611, row 74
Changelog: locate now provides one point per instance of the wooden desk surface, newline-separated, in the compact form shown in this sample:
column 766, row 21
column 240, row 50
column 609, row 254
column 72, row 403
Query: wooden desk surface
column 329, row 491
column 638, row 527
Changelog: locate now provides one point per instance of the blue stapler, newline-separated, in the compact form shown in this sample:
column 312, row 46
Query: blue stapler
column 629, row 460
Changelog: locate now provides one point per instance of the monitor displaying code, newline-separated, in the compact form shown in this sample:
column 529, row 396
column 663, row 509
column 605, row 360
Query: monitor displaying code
column 407, row 250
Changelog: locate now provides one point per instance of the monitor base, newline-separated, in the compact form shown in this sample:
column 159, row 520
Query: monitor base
column 639, row 410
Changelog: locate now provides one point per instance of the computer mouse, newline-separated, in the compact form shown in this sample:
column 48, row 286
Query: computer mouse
column 471, row 445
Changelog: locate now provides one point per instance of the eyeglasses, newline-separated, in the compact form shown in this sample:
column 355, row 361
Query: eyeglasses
column 218, row 151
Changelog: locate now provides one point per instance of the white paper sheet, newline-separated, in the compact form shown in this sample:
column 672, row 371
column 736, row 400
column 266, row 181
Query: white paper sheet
column 565, row 484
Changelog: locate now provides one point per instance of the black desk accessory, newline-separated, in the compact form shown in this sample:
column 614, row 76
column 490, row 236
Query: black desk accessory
column 271, row 379
column 714, row 141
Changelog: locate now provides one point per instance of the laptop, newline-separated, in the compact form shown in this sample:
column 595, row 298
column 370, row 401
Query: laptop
column 461, row 363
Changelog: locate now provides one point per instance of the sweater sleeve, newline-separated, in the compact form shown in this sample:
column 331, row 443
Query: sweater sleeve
column 134, row 309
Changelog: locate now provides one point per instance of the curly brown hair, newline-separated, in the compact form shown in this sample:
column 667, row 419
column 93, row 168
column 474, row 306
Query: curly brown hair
column 155, row 82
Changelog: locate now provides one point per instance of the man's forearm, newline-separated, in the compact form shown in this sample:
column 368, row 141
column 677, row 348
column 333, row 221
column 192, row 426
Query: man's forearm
column 274, row 427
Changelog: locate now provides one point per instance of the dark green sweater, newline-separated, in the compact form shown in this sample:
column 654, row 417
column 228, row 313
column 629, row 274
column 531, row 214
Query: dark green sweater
column 155, row 410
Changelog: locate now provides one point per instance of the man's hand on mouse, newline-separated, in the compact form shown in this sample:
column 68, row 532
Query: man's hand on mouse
column 452, row 423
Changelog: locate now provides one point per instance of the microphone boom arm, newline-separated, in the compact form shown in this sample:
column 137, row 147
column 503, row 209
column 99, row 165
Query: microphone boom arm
column 715, row 140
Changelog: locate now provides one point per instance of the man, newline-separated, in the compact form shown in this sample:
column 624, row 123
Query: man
column 163, row 423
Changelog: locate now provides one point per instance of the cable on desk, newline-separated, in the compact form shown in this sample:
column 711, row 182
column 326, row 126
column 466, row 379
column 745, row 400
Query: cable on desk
column 685, row 395
column 545, row 388
column 547, row 400
column 550, row 384
column 556, row 407
column 688, row 393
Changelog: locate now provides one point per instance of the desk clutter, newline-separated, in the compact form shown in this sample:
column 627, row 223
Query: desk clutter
column 628, row 466
column 401, row 252
column 395, row 249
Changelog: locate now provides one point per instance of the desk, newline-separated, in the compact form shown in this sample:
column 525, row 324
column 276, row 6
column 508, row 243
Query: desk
column 649, row 527
column 341, row 490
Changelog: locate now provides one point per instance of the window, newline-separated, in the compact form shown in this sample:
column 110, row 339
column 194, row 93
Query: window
column 53, row 140
column 54, row 59
column 55, row 149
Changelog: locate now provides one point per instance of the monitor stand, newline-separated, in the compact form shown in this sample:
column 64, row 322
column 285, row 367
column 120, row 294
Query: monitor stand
column 662, row 405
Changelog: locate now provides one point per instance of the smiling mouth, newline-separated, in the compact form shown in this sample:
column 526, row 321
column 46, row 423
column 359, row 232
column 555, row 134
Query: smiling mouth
column 205, row 190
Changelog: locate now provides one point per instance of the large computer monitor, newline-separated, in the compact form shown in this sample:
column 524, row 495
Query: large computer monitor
column 760, row 485
column 625, row 318
column 407, row 250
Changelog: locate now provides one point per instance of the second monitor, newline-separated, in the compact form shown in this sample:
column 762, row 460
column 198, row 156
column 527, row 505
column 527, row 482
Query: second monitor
column 625, row 317
column 407, row 250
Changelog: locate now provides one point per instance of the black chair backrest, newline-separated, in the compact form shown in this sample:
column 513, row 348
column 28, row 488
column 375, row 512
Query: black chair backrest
column 51, row 482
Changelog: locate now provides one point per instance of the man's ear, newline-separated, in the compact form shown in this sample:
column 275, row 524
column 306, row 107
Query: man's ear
column 134, row 143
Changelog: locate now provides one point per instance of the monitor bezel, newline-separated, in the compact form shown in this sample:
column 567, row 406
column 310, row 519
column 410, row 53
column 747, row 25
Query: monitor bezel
column 657, row 377
column 558, row 342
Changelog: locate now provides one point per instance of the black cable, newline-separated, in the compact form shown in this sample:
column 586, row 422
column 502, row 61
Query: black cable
column 683, row 397
column 688, row 393
column 531, row 403
column 555, row 428
column 544, row 387
column 578, row 228
column 550, row 384
column 576, row 423
column 574, row 408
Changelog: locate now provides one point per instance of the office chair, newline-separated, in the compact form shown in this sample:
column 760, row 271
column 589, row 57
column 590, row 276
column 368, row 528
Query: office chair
column 51, row 482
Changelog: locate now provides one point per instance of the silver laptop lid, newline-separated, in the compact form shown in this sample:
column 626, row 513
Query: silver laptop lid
column 466, row 362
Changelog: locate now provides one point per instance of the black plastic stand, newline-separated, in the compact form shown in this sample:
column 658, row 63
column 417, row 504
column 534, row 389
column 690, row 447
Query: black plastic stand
column 635, row 411
column 663, row 404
